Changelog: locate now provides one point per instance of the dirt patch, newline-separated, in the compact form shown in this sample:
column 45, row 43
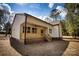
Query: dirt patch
column 6, row 49
column 72, row 50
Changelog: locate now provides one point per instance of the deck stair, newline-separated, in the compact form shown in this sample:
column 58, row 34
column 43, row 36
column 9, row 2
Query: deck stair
column 48, row 37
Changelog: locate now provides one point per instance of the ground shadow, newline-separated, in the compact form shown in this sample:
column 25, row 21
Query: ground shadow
column 54, row 48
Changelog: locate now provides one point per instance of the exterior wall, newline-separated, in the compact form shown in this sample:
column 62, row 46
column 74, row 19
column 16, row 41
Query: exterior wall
column 19, row 19
column 56, row 31
column 36, row 21
column 33, row 36
column 32, row 22
column 60, row 30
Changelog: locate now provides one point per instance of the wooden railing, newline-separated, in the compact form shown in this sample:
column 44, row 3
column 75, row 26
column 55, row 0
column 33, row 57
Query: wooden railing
column 48, row 37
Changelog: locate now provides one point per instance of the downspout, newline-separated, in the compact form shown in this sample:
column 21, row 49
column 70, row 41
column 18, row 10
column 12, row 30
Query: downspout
column 25, row 29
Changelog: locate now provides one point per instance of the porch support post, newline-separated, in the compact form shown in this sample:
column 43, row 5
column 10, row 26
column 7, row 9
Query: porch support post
column 59, row 29
column 25, row 29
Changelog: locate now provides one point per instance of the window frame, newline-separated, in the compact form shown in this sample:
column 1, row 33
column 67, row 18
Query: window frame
column 34, row 30
column 50, row 31
column 28, row 29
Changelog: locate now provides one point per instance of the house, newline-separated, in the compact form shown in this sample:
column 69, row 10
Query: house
column 28, row 29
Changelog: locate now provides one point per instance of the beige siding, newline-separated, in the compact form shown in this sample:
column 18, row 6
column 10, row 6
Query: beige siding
column 36, row 21
column 19, row 19
column 34, row 36
column 17, row 28
column 39, row 25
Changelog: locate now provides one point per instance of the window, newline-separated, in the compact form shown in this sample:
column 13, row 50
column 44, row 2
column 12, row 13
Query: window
column 28, row 29
column 42, row 32
column 50, row 30
column 34, row 30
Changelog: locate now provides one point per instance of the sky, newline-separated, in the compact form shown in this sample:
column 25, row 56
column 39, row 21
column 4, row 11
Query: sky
column 39, row 10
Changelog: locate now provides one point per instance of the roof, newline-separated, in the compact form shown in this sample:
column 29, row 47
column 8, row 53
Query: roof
column 53, row 24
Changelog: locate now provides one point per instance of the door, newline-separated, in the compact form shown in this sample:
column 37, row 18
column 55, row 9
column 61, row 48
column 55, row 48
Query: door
column 42, row 32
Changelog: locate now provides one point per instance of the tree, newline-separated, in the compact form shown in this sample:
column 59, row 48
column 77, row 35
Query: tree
column 72, row 19
column 8, row 28
column 63, row 29
column 54, row 14
column 1, row 16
